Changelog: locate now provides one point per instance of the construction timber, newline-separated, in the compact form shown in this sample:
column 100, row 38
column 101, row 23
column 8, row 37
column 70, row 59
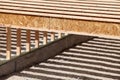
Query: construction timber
column 80, row 16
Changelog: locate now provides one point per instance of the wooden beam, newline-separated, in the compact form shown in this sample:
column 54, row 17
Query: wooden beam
column 59, row 35
column 52, row 36
column 28, row 40
column 44, row 38
column 18, row 50
column 66, row 34
column 36, row 39
column 8, row 48
column 66, row 25
column 65, row 11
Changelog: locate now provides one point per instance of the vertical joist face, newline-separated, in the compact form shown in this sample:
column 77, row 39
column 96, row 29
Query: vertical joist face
column 36, row 39
column 8, row 50
column 18, row 50
column 66, row 34
column 44, row 38
column 28, row 40
column 59, row 35
column 52, row 36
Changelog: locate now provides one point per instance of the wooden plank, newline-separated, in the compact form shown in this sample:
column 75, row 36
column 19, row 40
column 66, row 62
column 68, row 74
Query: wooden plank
column 18, row 50
column 36, row 39
column 28, row 40
column 64, row 3
column 62, row 16
column 52, row 36
column 96, row 10
column 66, row 33
column 90, row 10
column 63, row 25
column 8, row 48
column 35, row 7
column 62, row 12
column 44, row 38
column 59, row 35
column 63, row 9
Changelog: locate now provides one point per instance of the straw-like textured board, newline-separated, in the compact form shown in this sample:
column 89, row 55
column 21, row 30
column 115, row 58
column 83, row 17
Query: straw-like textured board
column 61, row 24
column 89, row 16
column 23, row 20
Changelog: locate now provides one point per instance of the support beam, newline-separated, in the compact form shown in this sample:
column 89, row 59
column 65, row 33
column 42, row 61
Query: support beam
column 18, row 49
column 28, row 40
column 59, row 35
column 52, row 36
column 36, row 39
column 8, row 48
column 72, row 25
column 44, row 38
column 66, row 34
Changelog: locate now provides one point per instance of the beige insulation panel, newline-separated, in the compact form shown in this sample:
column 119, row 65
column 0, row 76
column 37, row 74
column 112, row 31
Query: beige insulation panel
column 89, row 16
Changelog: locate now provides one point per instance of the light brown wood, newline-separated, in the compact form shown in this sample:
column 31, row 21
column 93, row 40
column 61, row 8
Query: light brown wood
column 66, row 34
column 18, row 50
column 8, row 50
column 56, row 24
column 36, row 39
column 44, row 38
column 85, row 11
column 59, row 35
column 28, row 41
column 52, row 36
column 67, row 15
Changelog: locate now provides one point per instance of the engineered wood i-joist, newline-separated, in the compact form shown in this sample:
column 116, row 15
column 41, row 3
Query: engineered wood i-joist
column 8, row 49
column 90, row 16
column 45, row 38
column 18, row 42
column 28, row 41
column 52, row 36
column 36, row 39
